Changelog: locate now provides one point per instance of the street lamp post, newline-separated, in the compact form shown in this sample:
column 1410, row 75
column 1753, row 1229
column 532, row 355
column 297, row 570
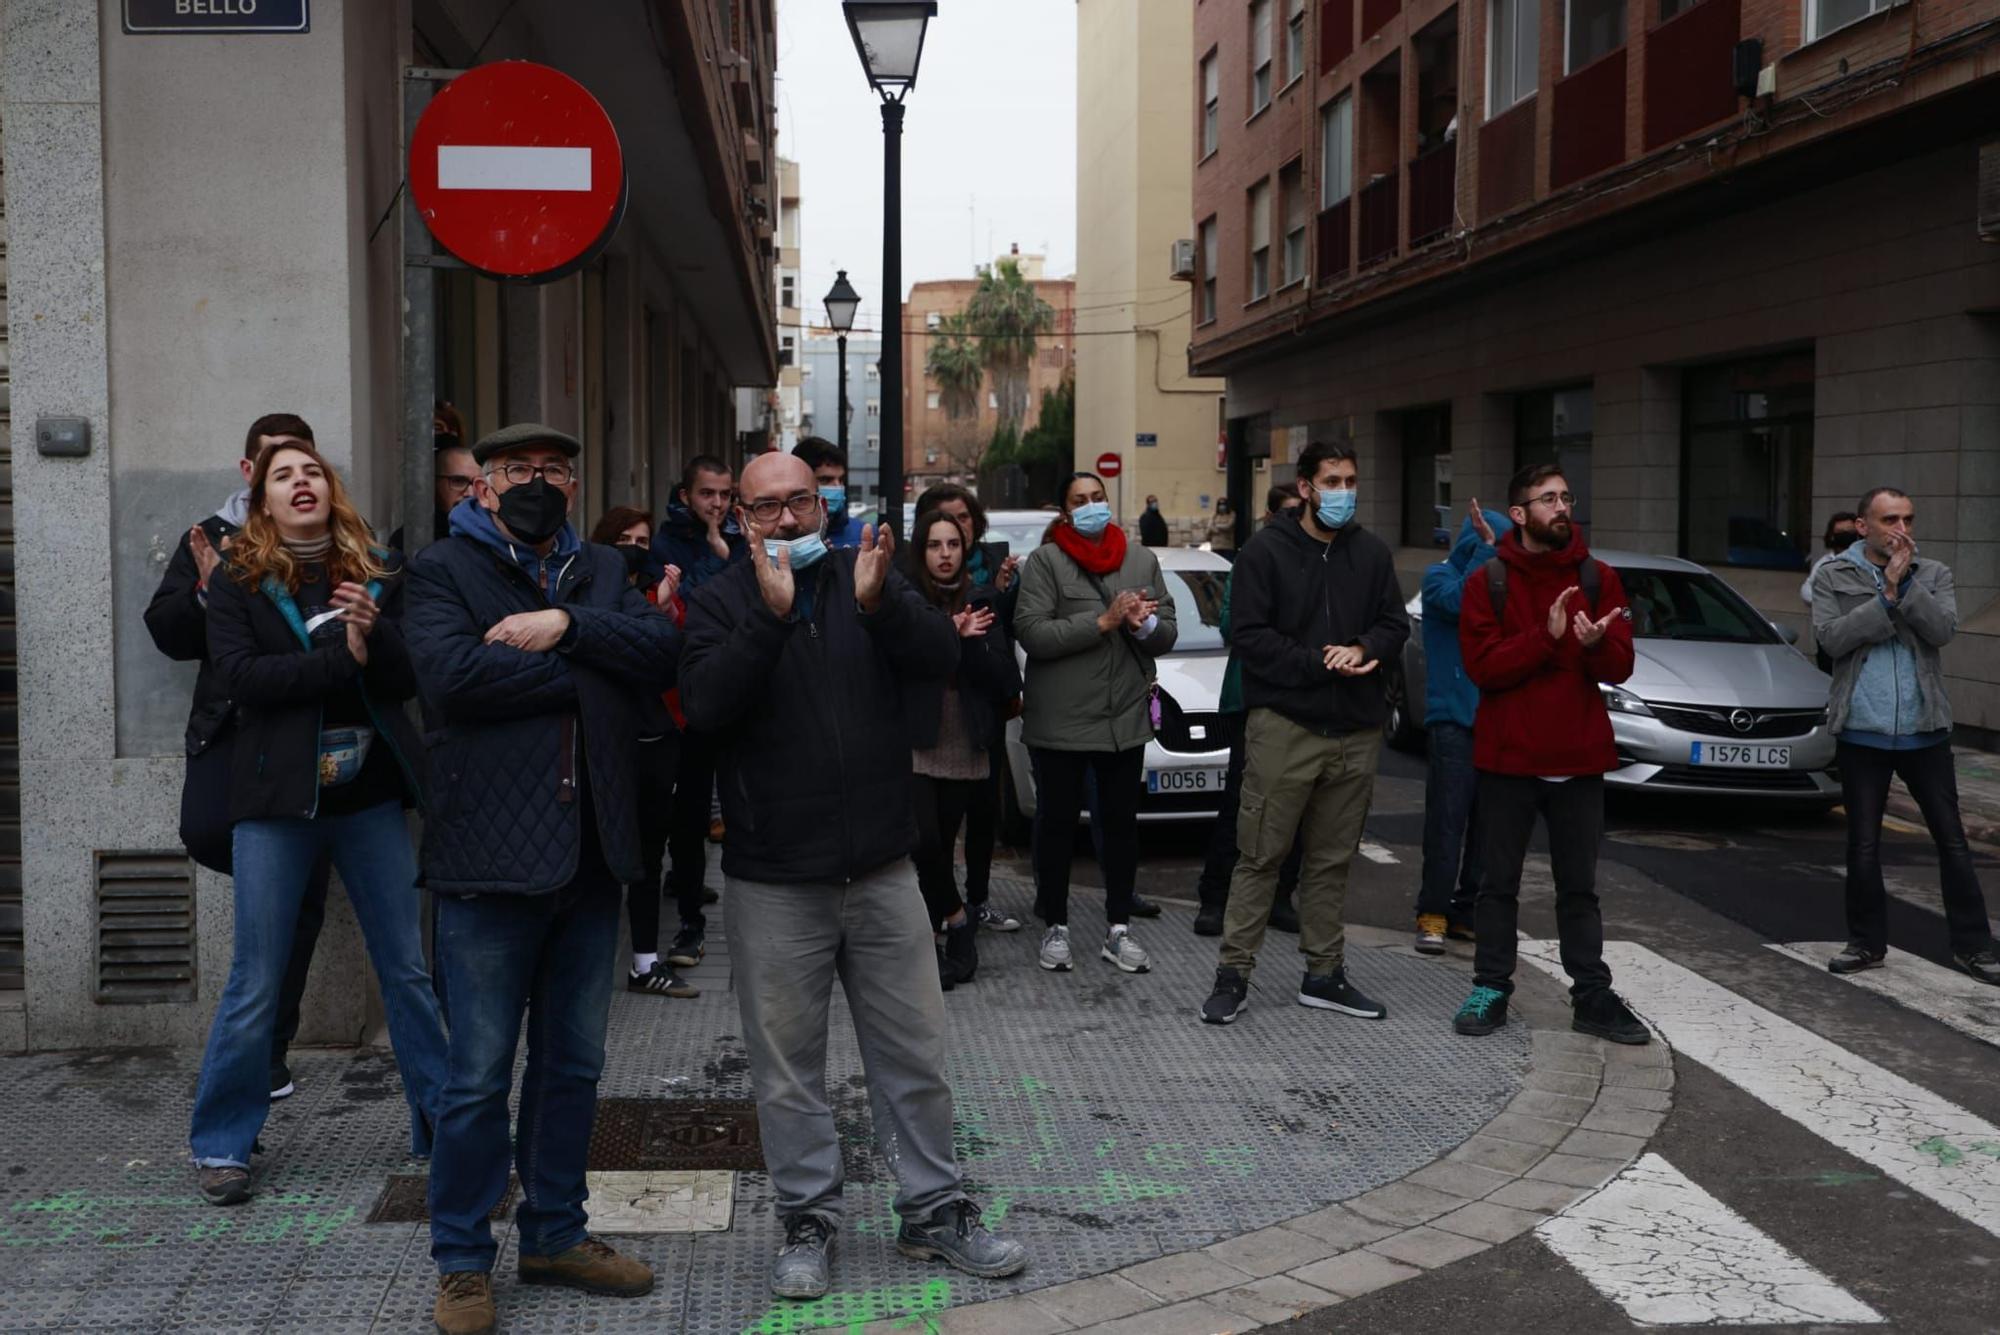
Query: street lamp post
column 842, row 301
column 889, row 35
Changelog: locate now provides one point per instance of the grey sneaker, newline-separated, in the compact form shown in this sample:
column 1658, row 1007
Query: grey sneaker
column 993, row 920
column 1055, row 949
column 1120, row 949
column 801, row 1268
column 1855, row 957
column 956, row 1235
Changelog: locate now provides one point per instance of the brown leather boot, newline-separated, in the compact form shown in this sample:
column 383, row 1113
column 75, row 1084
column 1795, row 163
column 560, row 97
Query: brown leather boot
column 592, row 1267
column 465, row 1304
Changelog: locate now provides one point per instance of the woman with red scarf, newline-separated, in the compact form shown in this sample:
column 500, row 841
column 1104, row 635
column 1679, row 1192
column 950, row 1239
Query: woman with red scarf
column 1093, row 615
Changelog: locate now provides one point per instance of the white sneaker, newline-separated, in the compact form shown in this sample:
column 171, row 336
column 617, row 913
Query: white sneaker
column 1055, row 949
column 1121, row 950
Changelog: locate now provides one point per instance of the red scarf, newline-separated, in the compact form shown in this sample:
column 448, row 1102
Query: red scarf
column 1099, row 558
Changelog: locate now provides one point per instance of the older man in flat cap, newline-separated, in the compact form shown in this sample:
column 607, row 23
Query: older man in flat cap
column 532, row 650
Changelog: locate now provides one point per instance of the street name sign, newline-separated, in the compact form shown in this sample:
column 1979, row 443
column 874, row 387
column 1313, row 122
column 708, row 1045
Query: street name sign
column 216, row 16
column 517, row 170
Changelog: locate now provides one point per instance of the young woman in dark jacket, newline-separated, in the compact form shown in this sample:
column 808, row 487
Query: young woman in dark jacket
column 303, row 634
column 953, row 728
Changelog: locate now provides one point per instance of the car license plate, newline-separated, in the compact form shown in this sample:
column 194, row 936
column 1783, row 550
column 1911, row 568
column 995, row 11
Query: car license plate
column 1741, row 755
column 1208, row 780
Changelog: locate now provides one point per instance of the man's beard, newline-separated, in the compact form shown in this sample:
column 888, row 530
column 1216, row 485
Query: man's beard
column 1554, row 535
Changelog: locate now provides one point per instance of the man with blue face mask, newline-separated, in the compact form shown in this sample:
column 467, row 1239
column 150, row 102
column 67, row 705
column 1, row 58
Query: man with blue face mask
column 1315, row 611
column 829, row 468
column 796, row 663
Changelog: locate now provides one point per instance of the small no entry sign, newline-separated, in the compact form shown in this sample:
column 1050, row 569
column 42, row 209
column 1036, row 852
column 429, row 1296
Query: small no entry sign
column 1109, row 465
column 517, row 170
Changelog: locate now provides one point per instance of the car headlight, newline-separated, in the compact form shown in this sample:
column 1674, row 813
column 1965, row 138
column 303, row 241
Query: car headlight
column 1621, row 701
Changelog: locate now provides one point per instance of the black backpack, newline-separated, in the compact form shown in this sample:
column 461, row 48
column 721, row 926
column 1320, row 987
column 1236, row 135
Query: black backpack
column 1588, row 575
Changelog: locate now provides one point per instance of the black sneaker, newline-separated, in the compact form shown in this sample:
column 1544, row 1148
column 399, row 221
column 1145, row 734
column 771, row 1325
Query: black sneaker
column 1332, row 992
column 1603, row 1014
column 1144, row 908
column 660, row 981
column 961, row 947
column 690, row 944
column 1855, row 958
column 281, row 1082
column 1981, row 964
column 1231, row 995
column 1208, row 920
column 1483, row 1012
column 224, row 1186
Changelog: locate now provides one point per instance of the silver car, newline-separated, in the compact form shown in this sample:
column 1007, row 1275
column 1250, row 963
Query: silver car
column 1719, row 701
column 1187, row 763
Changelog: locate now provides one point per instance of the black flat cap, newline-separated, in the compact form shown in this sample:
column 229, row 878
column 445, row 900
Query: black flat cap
column 522, row 435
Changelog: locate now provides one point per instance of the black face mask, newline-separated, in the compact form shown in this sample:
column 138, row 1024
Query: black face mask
column 635, row 557
column 534, row 513
column 1841, row 541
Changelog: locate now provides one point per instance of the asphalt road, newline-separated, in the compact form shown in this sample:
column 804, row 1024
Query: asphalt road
column 1708, row 885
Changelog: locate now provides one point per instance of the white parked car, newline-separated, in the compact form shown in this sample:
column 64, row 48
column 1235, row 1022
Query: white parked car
column 1187, row 763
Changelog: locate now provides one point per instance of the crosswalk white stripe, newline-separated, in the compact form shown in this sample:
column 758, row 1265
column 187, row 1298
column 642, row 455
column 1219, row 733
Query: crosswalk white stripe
column 1670, row 1254
column 1954, row 999
column 1375, row 852
column 1932, row 1146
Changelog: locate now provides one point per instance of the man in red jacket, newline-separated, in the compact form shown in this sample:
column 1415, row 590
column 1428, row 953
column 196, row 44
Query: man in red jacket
column 1538, row 640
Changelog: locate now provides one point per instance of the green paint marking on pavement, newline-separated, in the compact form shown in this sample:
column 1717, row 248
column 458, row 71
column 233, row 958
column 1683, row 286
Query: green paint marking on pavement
column 127, row 1220
column 908, row 1305
column 1105, row 1146
column 1946, row 1152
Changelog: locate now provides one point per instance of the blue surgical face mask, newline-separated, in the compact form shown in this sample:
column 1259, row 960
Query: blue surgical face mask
column 1092, row 519
column 806, row 549
column 835, row 498
column 1336, row 508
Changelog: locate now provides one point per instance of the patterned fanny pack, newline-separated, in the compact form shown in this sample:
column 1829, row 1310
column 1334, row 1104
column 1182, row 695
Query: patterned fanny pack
column 342, row 753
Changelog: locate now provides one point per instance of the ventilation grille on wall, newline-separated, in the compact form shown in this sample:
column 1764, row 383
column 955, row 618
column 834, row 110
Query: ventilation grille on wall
column 145, row 927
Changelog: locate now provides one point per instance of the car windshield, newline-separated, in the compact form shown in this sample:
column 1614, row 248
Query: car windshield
column 1684, row 605
column 1198, row 609
column 1020, row 538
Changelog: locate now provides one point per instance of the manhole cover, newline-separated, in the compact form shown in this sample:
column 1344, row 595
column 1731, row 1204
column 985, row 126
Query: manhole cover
column 676, row 1133
column 405, row 1199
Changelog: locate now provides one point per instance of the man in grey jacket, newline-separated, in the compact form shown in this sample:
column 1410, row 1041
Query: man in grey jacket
column 1882, row 615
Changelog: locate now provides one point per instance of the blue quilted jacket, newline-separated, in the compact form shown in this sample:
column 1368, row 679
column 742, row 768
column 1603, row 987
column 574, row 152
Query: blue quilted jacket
column 520, row 743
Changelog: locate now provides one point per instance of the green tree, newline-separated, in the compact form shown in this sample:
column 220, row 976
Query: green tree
column 1047, row 451
column 954, row 364
column 1007, row 316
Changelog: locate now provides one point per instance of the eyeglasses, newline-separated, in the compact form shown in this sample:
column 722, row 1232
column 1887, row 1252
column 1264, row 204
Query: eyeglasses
column 457, row 483
column 521, row 474
column 805, row 505
column 1551, row 499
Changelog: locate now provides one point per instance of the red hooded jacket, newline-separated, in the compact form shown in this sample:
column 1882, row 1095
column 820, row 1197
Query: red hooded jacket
column 1540, row 711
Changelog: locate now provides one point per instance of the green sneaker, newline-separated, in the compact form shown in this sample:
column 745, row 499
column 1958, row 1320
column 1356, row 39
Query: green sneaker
column 1483, row 1012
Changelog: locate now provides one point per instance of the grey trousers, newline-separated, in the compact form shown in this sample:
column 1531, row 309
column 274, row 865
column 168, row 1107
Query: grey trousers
column 787, row 943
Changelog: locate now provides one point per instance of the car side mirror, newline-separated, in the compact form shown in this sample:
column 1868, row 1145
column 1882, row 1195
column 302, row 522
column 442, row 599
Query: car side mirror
column 1786, row 633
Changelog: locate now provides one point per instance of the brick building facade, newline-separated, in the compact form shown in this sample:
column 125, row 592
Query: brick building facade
column 1468, row 236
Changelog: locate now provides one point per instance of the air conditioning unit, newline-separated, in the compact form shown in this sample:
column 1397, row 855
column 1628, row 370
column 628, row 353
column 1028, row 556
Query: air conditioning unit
column 1184, row 259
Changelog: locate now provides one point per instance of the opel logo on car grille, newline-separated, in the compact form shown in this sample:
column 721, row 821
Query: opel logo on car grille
column 1742, row 720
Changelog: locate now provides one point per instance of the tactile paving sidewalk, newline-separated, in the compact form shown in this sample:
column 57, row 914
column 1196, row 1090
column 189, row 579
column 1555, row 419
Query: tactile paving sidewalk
column 1098, row 1119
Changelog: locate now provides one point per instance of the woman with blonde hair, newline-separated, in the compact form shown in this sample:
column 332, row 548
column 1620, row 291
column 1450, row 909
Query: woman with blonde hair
column 302, row 631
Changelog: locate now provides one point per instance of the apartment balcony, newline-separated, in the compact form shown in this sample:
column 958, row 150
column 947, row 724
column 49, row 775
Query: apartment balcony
column 1589, row 132
column 1433, row 192
column 1378, row 220
column 1690, row 76
column 1375, row 15
column 1507, row 160
column 1336, row 33
column 1334, row 241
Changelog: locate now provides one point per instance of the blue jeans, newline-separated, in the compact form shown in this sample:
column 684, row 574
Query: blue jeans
column 273, row 860
column 551, row 956
column 1452, row 851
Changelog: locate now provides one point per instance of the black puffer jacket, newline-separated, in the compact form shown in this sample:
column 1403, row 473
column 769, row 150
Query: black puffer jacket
column 506, row 728
column 1290, row 596
column 280, row 687
column 808, row 719
column 178, row 623
column 988, row 677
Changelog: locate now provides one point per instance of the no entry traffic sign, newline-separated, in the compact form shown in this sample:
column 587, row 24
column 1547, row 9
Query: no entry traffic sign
column 517, row 170
column 1109, row 464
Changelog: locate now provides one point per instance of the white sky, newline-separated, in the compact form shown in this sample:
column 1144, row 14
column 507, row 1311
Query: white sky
column 989, row 144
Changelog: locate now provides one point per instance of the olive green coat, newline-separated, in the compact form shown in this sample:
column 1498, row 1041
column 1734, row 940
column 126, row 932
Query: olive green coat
column 1086, row 690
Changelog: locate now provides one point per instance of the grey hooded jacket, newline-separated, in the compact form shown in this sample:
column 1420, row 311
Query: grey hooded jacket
column 1850, row 618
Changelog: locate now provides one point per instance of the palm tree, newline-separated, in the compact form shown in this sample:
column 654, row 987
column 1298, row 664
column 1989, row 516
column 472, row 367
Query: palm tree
column 954, row 362
column 1007, row 314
